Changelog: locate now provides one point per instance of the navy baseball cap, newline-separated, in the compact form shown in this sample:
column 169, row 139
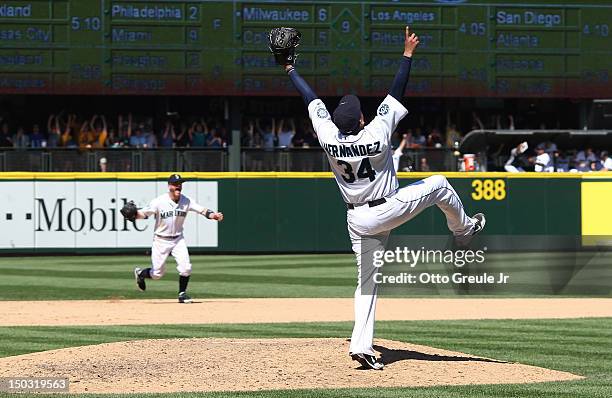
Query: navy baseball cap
column 347, row 115
column 175, row 179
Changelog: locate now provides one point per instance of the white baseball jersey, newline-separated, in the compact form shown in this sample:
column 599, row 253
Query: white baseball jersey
column 169, row 215
column 361, row 163
column 544, row 163
column 397, row 155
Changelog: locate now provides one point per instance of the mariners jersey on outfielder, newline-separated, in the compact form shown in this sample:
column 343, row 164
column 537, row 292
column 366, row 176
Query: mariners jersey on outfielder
column 362, row 163
column 169, row 215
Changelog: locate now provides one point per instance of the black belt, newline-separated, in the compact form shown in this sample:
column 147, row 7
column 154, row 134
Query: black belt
column 167, row 237
column 370, row 203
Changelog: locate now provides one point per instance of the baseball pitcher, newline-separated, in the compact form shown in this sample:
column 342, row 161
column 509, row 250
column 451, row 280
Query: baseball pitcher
column 170, row 210
column 360, row 156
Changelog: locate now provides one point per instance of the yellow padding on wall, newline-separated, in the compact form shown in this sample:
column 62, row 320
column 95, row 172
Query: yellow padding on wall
column 597, row 208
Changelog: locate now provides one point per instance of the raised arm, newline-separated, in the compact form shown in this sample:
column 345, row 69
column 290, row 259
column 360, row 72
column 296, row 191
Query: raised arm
column 280, row 125
column 400, row 81
column 129, row 129
column 68, row 125
column 292, row 124
column 403, row 144
column 300, row 84
column 476, row 121
column 84, row 126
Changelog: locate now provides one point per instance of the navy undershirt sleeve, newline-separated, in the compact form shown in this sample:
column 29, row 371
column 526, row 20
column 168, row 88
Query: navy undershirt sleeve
column 401, row 79
column 303, row 87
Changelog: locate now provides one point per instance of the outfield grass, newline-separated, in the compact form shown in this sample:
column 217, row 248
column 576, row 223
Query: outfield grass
column 334, row 275
column 102, row 277
column 580, row 346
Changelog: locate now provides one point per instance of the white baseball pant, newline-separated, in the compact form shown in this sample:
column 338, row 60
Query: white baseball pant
column 160, row 250
column 369, row 229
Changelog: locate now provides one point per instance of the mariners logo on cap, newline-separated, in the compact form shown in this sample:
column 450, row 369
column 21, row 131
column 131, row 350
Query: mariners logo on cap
column 383, row 110
column 175, row 179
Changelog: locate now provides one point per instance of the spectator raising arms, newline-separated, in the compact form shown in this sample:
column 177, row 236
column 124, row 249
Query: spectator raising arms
column 183, row 140
column 67, row 140
column 399, row 151
column 54, row 134
column 168, row 135
column 286, row 133
column 515, row 163
column 125, row 129
column 267, row 133
column 86, row 134
column 100, row 131
column 198, row 133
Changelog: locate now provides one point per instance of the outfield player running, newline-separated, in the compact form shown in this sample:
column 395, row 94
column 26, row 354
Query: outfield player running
column 360, row 156
column 170, row 210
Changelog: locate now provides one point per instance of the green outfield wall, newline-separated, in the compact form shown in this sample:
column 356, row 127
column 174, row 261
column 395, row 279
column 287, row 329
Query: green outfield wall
column 304, row 212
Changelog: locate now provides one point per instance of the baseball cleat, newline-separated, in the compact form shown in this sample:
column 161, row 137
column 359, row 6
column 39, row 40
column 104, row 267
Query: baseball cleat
column 184, row 298
column 480, row 223
column 368, row 361
column 139, row 279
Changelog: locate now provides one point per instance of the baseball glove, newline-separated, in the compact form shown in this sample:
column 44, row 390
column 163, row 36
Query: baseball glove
column 129, row 211
column 283, row 42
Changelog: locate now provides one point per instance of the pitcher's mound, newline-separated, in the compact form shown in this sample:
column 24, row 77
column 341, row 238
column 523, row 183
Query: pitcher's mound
column 178, row 365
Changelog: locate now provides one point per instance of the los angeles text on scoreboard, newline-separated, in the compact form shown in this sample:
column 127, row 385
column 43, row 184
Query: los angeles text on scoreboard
column 493, row 48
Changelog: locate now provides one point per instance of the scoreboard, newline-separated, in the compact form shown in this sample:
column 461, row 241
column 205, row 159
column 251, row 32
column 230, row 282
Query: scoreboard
column 487, row 48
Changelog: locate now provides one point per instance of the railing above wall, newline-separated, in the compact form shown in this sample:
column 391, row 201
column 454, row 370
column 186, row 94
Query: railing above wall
column 204, row 159
column 116, row 160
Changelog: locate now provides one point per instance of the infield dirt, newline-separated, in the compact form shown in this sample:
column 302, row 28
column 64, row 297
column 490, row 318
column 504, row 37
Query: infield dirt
column 274, row 310
column 179, row 365
column 257, row 364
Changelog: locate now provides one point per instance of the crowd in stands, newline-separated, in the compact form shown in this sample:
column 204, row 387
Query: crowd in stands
column 100, row 131
column 68, row 130
column 72, row 131
column 548, row 158
column 270, row 133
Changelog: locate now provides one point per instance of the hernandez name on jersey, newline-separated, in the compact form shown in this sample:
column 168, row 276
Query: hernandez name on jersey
column 362, row 163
